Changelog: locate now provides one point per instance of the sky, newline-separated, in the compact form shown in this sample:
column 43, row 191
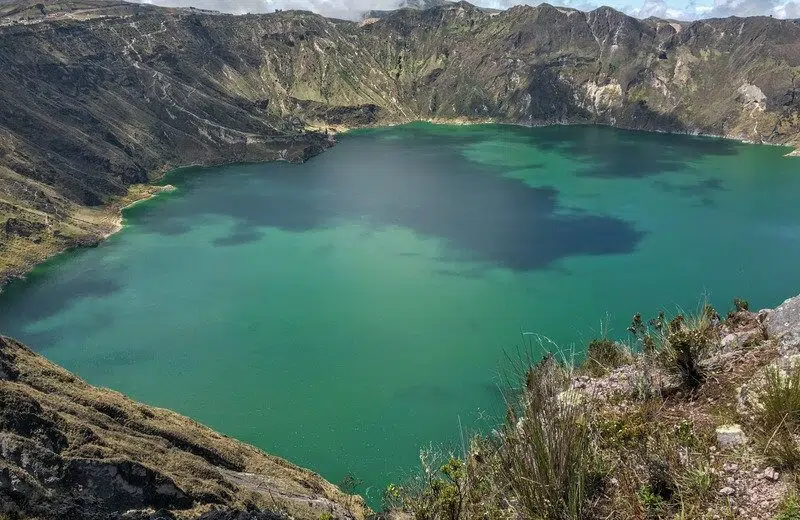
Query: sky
column 677, row 9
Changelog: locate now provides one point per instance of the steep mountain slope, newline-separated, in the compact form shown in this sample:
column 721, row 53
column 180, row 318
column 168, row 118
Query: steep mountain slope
column 69, row 450
column 101, row 96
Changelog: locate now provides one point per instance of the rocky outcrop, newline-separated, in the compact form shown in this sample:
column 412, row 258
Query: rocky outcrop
column 70, row 450
column 783, row 324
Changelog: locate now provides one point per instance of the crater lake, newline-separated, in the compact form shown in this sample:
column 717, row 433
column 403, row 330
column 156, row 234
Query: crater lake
column 346, row 312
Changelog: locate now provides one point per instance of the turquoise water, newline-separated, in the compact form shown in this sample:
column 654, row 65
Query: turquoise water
column 345, row 312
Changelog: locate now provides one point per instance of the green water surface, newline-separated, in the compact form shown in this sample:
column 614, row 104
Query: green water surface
column 345, row 312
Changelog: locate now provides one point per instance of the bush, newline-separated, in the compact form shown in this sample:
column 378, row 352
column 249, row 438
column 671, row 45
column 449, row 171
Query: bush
column 451, row 487
column 603, row 355
column 790, row 509
column 650, row 501
column 781, row 398
column 683, row 352
column 437, row 493
column 741, row 305
column 545, row 449
column 781, row 415
column 686, row 343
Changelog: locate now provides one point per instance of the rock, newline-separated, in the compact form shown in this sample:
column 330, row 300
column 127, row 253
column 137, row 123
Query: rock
column 771, row 474
column 744, row 401
column 727, row 491
column 730, row 467
column 571, row 397
column 730, row 435
column 783, row 324
column 738, row 340
column 23, row 227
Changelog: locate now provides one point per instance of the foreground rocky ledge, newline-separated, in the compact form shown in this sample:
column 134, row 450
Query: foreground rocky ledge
column 698, row 417
column 71, row 450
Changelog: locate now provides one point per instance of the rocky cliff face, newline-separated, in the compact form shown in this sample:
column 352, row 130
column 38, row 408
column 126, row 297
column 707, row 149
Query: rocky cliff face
column 72, row 451
column 101, row 95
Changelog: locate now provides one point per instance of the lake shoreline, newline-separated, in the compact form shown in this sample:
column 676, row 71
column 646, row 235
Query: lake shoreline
column 141, row 192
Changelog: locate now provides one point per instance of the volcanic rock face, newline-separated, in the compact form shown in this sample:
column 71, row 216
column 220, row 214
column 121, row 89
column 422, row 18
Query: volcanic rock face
column 69, row 450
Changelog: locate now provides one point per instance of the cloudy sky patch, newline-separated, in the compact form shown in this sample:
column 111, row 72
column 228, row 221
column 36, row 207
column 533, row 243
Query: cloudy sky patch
column 678, row 9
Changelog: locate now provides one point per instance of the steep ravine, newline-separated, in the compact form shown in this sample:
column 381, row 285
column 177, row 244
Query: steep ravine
column 100, row 96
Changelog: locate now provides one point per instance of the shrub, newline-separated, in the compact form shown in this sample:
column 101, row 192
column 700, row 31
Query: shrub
column 545, row 449
column 781, row 415
column 790, row 509
column 651, row 502
column 683, row 353
column 644, row 339
column 350, row 484
column 452, row 488
column 437, row 493
column 603, row 355
column 741, row 305
column 686, row 343
column 781, row 397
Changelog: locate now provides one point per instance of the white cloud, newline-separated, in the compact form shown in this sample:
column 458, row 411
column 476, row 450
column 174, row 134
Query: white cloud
column 657, row 8
column 352, row 9
column 788, row 10
column 724, row 8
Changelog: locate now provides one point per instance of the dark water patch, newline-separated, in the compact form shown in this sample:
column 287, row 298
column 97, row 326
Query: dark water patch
column 122, row 358
column 612, row 153
column 238, row 237
column 476, row 211
column 473, row 273
column 43, row 337
column 167, row 221
column 426, row 392
column 40, row 340
column 61, row 293
column 325, row 249
column 703, row 188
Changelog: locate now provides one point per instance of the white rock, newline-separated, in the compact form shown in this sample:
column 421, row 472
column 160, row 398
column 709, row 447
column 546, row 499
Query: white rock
column 730, row 435
column 783, row 324
column 727, row 491
column 771, row 474
column 571, row 397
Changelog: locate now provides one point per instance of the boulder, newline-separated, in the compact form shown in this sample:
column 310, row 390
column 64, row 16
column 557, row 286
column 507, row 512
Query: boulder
column 783, row 325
